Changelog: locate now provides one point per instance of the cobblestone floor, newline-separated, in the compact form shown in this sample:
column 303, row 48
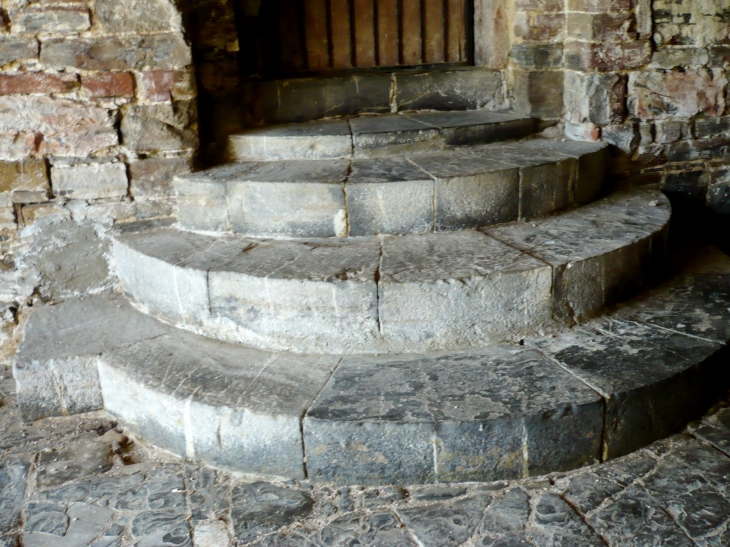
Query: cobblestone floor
column 83, row 481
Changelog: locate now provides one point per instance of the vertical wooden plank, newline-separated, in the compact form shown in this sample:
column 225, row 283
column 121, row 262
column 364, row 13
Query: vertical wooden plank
column 456, row 31
column 341, row 34
column 410, row 34
column 315, row 21
column 364, row 34
column 292, row 56
column 387, row 32
column 433, row 31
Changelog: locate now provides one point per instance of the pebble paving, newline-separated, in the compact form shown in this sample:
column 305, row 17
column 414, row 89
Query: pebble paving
column 85, row 482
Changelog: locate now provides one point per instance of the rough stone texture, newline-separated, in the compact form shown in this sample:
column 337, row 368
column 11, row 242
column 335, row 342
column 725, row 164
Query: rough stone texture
column 56, row 368
column 458, row 90
column 423, row 420
column 91, row 181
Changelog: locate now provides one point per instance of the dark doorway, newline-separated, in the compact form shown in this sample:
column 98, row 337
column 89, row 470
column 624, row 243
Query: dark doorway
column 295, row 37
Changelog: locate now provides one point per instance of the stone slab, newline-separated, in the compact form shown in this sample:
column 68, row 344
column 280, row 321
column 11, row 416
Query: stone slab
column 654, row 380
column 461, row 287
column 467, row 89
column 228, row 405
column 424, row 419
column 388, row 196
column 377, row 135
column 618, row 242
column 324, row 139
column 56, row 366
column 476, row 126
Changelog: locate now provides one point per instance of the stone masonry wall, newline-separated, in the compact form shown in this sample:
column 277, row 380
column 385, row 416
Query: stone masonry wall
column 651, row 78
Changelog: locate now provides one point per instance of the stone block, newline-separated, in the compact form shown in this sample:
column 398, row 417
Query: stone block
column 67, row 128
column 318, row 296
column 202, row 204
column 676, row 94
column 645, row 403
column 539, row 27
column 478, row 88
column 693, row 24
column 458, row 290
column 56, row 366
column 599, row 6
column 471, row 191
column 673, row 57
column 27, row 178
column 595, row 98
column 152, row 270
column 323, row 139
column 136, row 16
column 476, row 126
column 539, row 56
column 719, row 56
column 89, row 181
column 305, row 99
column 545, row 189
column 159, row 51
column 60, row 19
column 31, row 213
column 692, row 184
column 24, row 83
column 14, row 49
column 614, row 256
column 247, row 417
column 538, row 94
column 366, row 427
column 388, row 135
column 625, row 137
column 152, row 177
column 165, row 85
column 388, row 197
column 600, row 27
column 159, row 127
column 709, row 148
column 669, row 130
column 607, row 56
column 709, row 127
column 295, row 198
column 108, row 85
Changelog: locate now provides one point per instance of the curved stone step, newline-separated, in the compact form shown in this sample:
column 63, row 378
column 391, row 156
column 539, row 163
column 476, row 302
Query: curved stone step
column 595, row 392
column 400, row 293
column 438, row 191
column 370, row 136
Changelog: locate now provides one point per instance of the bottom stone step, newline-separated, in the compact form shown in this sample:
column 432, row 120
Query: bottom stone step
column 554, row 404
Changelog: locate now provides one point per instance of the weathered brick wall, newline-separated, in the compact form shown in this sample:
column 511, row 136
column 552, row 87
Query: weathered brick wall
column 652, row 79
column 97, row 109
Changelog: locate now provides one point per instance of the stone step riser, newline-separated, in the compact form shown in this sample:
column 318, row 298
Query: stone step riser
column 401, row 294
column 340, row 139
column 439, row 192
column 554, row 404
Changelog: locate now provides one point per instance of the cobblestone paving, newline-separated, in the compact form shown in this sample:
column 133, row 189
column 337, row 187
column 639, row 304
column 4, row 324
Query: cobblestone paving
column 83, row 481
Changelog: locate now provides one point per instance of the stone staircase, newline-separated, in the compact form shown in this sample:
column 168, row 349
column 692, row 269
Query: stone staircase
column 403, row 299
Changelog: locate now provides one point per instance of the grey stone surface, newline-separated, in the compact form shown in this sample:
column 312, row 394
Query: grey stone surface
column 422, row 419
column 297, row 198
column 461, row 287
column 388, row 196
column 388, row 135
column 471, row 193
column 224, row 404
column 55, row 368
column 324, row 139
column 654, row 380
column 618, row 244
column 260, row 507
column 352, row 295
column 449, row 90
column 673, row 493
column 476, row 126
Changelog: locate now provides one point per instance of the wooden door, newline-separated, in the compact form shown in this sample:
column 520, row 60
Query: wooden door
column 323, row 35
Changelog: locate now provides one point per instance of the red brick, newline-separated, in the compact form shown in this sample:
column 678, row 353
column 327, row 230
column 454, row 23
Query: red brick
column 108, row 84
column 165, row 85
column 36, row 82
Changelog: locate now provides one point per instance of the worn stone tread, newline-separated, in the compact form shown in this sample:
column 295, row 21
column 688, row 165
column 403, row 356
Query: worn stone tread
column 500, row 412
column 440, row 190
column 375, row 135
column 407, row 293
